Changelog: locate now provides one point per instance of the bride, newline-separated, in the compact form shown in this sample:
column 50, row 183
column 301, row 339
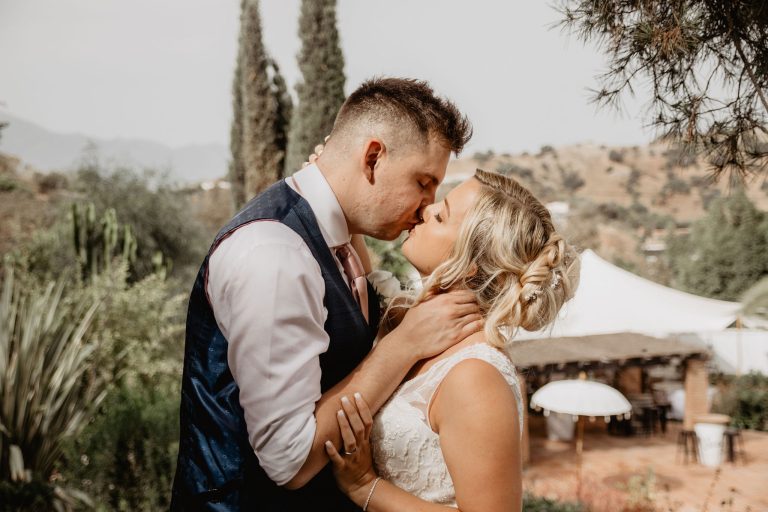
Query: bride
column 450, row 435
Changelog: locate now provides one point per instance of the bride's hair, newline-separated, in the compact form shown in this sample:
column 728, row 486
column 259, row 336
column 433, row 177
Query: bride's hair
column 509, row 254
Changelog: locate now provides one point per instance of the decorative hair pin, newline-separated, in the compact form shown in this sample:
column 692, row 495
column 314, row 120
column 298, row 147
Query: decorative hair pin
column 556, row 277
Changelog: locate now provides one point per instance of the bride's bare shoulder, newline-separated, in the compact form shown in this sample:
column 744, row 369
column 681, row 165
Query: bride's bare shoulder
column 473, row 386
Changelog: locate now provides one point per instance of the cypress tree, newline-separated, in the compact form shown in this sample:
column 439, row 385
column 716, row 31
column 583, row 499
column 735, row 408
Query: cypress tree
column 284, row 111
column 260, row 105
column 321, row 92
column 236, row 167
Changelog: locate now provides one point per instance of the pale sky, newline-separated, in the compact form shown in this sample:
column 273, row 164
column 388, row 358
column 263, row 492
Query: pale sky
column 162, row 69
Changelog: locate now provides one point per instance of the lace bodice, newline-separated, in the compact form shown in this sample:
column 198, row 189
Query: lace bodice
column 406, row 450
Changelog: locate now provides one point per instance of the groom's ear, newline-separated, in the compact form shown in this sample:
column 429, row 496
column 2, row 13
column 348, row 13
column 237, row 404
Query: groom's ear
column 374, row 151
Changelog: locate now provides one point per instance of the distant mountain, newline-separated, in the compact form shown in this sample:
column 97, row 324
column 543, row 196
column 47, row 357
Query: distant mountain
column 49, row 151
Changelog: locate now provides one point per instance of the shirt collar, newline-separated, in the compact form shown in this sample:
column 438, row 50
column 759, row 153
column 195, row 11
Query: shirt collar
column 318, row 193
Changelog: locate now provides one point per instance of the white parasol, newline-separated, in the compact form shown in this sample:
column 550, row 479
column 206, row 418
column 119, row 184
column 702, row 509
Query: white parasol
column 581, row 398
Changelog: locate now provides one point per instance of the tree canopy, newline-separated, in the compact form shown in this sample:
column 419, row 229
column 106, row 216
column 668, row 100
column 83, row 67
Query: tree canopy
column 704, row 61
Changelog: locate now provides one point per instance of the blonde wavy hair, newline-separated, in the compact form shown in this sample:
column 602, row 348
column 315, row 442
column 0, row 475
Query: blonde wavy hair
column 510, row 255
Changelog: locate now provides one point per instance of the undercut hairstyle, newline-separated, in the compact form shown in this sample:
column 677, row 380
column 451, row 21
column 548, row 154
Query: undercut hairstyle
column 410, row 107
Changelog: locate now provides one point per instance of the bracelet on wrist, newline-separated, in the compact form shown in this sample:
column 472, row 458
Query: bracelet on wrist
column 370, row 493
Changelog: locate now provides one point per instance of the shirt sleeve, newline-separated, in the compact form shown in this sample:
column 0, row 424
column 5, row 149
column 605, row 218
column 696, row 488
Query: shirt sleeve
column 267, row 290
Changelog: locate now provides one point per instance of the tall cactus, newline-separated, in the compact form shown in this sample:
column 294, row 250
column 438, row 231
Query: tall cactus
column 99, row 242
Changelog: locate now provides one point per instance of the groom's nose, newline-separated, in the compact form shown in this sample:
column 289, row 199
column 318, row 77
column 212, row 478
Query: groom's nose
column 420, row 213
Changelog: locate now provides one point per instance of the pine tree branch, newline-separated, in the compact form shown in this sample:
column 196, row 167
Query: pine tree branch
column 748, row 68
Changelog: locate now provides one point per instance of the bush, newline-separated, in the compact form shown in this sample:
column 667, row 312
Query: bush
column 680, row 157
column 50, row 181
column 632, row 181
column 158, row 215
column 755, row 300
column 725, row 253
column 26, row 496
column 616, row 156
column 516, row 170
column 547, row 149
column 745, row 400
column 538, row 504
column 572, row 181
column 391, row 257
column 126, row 458
column 482, row 157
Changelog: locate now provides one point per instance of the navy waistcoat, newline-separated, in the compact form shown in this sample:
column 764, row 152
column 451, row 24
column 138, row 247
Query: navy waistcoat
column 217, row 468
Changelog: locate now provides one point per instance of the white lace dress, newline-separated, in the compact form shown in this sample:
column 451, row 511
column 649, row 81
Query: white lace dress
column 406, row 451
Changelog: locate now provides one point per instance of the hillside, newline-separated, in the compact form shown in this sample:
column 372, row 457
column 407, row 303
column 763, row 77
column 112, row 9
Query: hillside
column 656, row 176
column 621, row 202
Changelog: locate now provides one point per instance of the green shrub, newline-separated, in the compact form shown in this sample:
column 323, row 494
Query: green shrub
column 724, row 255
column 745, row 400
column 391, row 257
column 126, row 458
column 158, row 215
column 26, row 496
column 509, row 168
column 616, row 156
column 7, row 184
column 538, row 504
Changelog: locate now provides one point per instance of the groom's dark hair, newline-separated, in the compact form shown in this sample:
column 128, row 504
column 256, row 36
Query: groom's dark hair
column 403, row 102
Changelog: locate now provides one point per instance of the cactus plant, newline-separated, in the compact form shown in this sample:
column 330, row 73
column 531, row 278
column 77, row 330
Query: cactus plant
column 99, row 242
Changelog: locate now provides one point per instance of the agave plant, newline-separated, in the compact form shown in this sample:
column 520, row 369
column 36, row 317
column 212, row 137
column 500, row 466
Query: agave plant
column 755, row 300
column 48, row 386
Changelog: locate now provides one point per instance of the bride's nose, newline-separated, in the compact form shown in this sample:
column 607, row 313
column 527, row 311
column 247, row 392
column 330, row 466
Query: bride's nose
column 427, row 212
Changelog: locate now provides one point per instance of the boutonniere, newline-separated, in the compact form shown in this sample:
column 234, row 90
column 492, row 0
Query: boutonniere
column 387, row 286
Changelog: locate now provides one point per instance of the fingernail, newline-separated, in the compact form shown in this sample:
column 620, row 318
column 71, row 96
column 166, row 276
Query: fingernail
column 328, row 444
column 345, row 400
column 340, row 413
column 358, row 396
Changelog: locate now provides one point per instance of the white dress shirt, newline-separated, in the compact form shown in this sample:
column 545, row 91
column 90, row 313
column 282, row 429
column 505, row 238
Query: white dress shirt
column 267, row 291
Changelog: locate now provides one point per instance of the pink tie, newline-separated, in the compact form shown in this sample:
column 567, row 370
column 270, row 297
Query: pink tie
column 355, row 274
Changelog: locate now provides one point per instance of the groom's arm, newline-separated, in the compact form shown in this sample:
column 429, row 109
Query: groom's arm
column 266, row 290
column 267, row 293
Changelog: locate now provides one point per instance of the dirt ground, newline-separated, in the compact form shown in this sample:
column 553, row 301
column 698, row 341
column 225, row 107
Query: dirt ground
column 620, row 473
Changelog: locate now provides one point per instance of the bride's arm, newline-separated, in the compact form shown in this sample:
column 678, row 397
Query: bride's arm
column 475, row 414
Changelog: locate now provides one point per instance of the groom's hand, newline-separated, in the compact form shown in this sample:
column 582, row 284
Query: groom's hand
column 440, row 322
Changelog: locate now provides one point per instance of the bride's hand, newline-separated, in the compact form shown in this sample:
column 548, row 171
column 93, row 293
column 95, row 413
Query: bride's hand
column 317, row 152
column 353, row 467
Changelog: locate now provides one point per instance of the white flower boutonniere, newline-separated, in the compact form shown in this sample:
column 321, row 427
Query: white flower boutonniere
column 386, row 284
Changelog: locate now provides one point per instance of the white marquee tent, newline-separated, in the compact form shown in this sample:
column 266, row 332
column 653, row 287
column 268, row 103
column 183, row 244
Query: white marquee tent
column 612, row 300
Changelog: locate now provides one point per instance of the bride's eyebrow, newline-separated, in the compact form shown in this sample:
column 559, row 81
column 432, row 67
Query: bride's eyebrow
column 447, row 207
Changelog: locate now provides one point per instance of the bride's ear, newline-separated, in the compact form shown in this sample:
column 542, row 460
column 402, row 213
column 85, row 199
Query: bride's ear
column 374, row 151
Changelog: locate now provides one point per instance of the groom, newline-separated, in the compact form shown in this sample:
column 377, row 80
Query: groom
column 281, row 319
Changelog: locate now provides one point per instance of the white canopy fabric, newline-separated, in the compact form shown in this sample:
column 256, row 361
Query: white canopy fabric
column 610, row 300
column 581, row 398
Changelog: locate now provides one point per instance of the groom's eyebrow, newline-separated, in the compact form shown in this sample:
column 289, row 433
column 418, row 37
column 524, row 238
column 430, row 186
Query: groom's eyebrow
column 433, row 179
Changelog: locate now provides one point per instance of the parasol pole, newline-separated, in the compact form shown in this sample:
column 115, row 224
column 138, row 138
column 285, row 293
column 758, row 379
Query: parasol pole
column 579, row 458
column 579, row 446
